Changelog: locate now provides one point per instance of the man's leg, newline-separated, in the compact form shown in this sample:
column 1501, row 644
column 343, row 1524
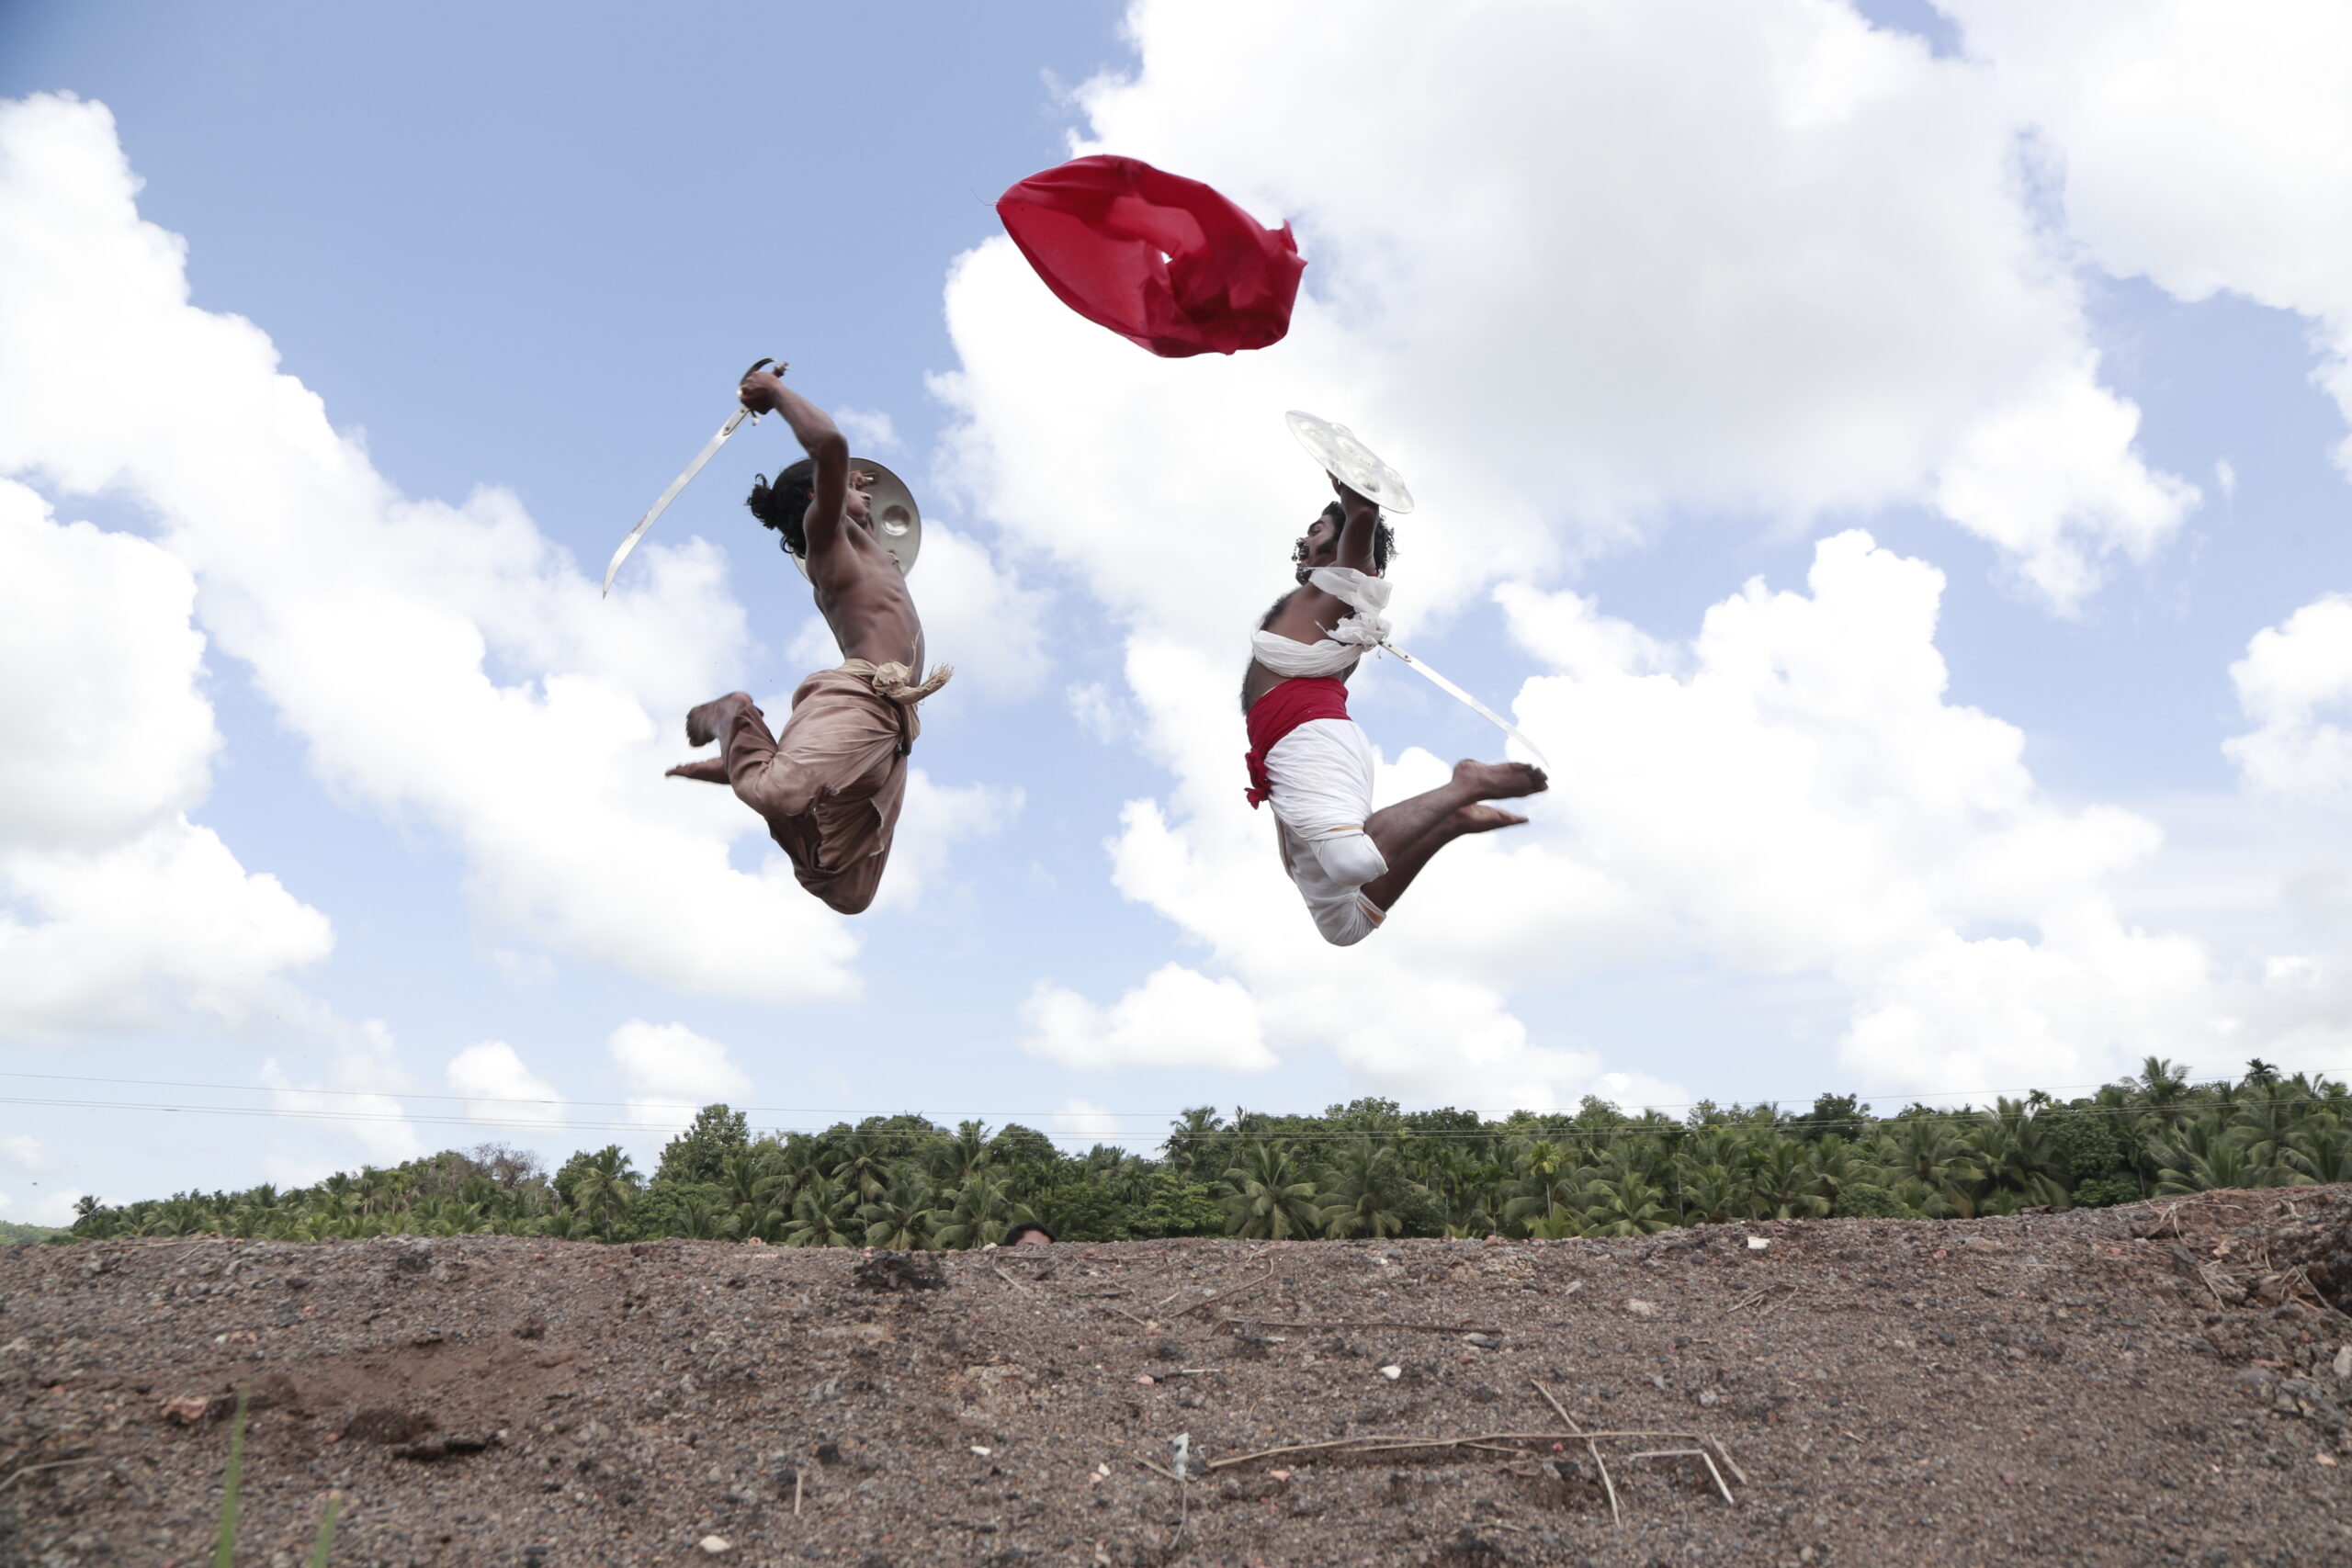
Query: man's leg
column 747, row 757
column 1410, row 832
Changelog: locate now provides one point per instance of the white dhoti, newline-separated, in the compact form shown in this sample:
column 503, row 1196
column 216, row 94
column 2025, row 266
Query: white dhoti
column 1322, row 774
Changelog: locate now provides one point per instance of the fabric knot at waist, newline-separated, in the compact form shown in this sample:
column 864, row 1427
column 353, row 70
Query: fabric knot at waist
column 1282, row 710
column 896, row 682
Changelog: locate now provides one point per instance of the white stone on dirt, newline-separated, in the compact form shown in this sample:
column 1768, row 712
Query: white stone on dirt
column 1392, row 1373
column 2343, row 1364
column 1641, row 1308
column 715, row 1544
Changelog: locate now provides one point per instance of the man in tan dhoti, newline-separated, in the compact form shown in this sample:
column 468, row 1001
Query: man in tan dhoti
column 831, row 785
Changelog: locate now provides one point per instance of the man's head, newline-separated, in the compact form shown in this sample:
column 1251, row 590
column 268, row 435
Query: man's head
column 1028, row 1234
column 784, row 505
column 1319, row 546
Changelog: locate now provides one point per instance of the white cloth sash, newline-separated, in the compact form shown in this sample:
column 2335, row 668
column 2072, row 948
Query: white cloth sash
column 1349, row 641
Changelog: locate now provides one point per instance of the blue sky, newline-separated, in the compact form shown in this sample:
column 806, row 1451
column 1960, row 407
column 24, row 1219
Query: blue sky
column 1641, row 333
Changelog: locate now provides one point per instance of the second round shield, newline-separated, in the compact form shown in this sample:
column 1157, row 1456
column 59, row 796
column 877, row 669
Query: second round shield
column 1349, row 461
column 898, row 521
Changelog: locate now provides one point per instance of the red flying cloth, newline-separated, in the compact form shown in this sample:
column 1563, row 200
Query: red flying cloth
column 1165, row 262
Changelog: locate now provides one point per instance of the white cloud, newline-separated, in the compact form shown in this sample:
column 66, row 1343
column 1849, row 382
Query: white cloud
column 104, row 732
column 375, row 624
column 870, row 431
column 23, row 1152
column 356, row 1104
column 1081, row 1124
column 498, row 1088
column 979, row 617
column 1806, row 801
column 2295, row 683
column 2207, row 146
column 1742, row 260
column 672, row 1072
column 1177, row 1018
column 934, row 818
column 1754, row 258
column 165, row 928
column 1097, row 711
column 126, row 915
column 1789, row 795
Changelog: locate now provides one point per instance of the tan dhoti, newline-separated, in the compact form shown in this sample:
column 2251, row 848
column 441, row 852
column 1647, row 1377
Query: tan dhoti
column 831, row 785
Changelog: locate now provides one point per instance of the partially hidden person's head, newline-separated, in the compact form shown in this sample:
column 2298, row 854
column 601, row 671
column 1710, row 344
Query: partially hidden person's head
column 784, row 505
column 1319, row 546
column 1028, row 1234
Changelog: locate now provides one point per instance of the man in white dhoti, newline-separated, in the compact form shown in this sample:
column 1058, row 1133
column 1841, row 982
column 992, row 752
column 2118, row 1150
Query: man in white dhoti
column 1314, row 765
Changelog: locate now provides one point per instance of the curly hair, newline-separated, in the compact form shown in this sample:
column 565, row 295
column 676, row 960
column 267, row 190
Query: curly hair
column 784, row 505
column 1383, row 538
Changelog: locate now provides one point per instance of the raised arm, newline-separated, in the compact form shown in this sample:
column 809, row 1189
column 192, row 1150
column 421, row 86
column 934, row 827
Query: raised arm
column 1355, row 532
column 763, row 391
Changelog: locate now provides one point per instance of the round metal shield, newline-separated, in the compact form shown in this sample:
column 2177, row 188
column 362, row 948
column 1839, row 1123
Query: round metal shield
column 1351, row 462
column 898, row 521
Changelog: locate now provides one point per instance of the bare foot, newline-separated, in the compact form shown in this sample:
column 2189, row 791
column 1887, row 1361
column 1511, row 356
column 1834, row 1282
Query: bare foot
column 704, row 719
column 1483, row 819
column 709, row 770
column 1500, row 780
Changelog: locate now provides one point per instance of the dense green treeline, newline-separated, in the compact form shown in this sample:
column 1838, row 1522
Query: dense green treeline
column 1362, row 1170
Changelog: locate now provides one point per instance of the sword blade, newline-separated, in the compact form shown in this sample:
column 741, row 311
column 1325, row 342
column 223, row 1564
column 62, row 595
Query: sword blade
column 1473, row 704
column 671, row 494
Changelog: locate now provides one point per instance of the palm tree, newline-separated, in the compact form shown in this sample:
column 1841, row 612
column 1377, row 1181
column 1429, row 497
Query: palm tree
column 1268, row 1199
column 1711, row 1195
column 978, row 1213
column 1624, row 1203
column 824, row 1213
column 1368, row 1191
column 2015, row 1152
column 2208, row 1153
column 2268, row 1116
column 1924, row 1150
column 1781, row 1175
column 956, row 1159
column 605, row 1189
column 703, row 1219
column 865, row 1166
column 1192, row 1139
column 1548, row 1198
column 2163, row 1085
column 1834, row 1167
column 901, row 1217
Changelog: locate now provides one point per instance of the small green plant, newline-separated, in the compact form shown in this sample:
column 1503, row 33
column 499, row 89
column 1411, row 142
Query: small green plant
column 224, row 1546
column 326, row 1531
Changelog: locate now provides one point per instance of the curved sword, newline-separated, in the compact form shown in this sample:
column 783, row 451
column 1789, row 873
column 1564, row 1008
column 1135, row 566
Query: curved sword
column 709, row 450
column 1473, row 704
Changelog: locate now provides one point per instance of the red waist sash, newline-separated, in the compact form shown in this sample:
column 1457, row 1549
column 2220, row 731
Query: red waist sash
column 1283, row 709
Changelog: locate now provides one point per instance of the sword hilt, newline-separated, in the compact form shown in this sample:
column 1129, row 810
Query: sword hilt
column 780, row 368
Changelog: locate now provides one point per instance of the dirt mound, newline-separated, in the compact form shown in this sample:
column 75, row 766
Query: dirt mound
column 2159, row 1383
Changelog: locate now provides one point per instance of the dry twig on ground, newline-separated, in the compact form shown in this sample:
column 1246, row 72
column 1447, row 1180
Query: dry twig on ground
column 1615, row 1516
column 1345, row 1323
column 1220, row 1295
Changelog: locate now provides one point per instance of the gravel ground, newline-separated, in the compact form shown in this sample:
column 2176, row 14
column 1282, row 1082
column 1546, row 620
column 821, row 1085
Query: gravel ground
column 2152, row 1384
